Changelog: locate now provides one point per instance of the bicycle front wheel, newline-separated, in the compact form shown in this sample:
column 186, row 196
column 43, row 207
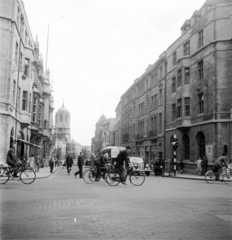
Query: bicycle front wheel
column 113, row 178
column 89, row 176
column 210, row 177
column 4, row 177
column 227, row 178
column 137, row 179
column 28, row 176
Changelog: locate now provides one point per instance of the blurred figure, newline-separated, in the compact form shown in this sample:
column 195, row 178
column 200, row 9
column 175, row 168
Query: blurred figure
column 80, row 163
column 51, row 163
column 199, row 167
column 204, row 164
column 69, row 163
column 181, row 165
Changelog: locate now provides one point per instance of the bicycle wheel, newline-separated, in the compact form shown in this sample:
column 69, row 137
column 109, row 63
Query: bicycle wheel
column 27, row 176
column 113, row 178
column 4, row 177
column 210, row 177
column 227, row 178
column 89, row 177
column 137, row 179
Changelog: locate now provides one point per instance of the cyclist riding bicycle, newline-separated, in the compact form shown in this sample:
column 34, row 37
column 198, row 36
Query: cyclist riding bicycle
column 100, row 162
column 13, row 161
column 218, row 164
column 122, row 161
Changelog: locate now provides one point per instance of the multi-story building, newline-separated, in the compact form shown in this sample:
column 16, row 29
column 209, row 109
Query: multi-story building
column 96, row 141
column 62, row 132
column 198, row 93
column 108, row 131
column 104, row 134
column 25, row 96
column 118, row 141
column 143, row 109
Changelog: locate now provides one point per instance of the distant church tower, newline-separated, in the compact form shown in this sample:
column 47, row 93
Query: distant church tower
column 63, row 124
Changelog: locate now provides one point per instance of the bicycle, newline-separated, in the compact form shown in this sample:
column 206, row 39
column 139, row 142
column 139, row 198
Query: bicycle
column 137, row 178
column 27, row 174
column 225, row 176
column 90, row 175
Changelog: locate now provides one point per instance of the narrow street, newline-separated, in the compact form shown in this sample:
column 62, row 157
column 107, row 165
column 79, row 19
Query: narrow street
column 64, row 207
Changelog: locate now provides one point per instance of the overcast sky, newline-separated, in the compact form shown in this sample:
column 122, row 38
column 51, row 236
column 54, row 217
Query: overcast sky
column 97, row 48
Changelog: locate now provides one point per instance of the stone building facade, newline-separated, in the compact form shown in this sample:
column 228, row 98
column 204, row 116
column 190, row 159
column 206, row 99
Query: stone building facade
column 104, row 134
column 143, row 109
column 186, row 92
column 63, row 143
column 25, row 95
column 199, row 74
column 118, row 125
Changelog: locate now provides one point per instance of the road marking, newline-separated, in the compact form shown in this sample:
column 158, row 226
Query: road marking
column 75, row 220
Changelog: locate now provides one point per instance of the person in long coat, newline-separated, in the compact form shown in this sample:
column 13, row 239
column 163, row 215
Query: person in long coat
column 80, row 163
column 69, row 163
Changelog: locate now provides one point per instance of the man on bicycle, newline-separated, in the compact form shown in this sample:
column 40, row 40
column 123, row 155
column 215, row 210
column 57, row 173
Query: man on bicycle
column 218, row 164
column 122, row 161
column 13, row 161
column 100, row 162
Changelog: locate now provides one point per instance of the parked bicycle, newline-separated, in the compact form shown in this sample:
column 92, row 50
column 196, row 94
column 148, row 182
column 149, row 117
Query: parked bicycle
column 114, row 177
column 225, row 176
column 26, row 174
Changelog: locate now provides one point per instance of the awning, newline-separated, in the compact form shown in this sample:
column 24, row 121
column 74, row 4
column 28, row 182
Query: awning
column 28, row 143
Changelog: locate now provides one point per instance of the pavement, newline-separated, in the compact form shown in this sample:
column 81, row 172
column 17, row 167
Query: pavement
column 45, row 173
column 64, row 207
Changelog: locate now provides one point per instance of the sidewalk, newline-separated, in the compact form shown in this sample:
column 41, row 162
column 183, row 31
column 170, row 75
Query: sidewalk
column 183, row 176
column 45, row 172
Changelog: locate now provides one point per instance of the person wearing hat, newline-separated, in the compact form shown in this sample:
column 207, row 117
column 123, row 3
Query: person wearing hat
column 122, row 161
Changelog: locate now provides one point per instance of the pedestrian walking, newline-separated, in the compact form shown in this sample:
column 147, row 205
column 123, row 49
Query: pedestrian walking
column 181, row 165
column 51, row 163
column 80, row 163
column 199, row 167
column 204, row 164
column 69, row 163
column 32, row 162
column 37, row 162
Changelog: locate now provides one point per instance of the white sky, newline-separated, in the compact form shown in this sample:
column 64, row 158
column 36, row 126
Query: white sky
column 97, row 48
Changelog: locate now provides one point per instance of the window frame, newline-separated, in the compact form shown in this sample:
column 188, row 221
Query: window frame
column 186, row 48
column 25, row 101
column 200, row 38
column 179, row 108
column 201, row 102
column 187, row 106
column 186, row 76
column 174, row 84
column 174, row 59
column 200, row 68
column 173, row 112
column 179, row 78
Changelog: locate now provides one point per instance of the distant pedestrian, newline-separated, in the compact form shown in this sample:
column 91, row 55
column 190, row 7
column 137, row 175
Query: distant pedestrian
column 51, row 163
column 80, row 163
column 69, row 163
column 199, row 167
column 37, row 162
column 181, row 165
column 32, row 162
column 204, row 164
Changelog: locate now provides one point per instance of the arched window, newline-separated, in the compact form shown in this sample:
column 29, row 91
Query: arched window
column 201, row 144
column 186, row 146
column 61, row 118
column 66, row 119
